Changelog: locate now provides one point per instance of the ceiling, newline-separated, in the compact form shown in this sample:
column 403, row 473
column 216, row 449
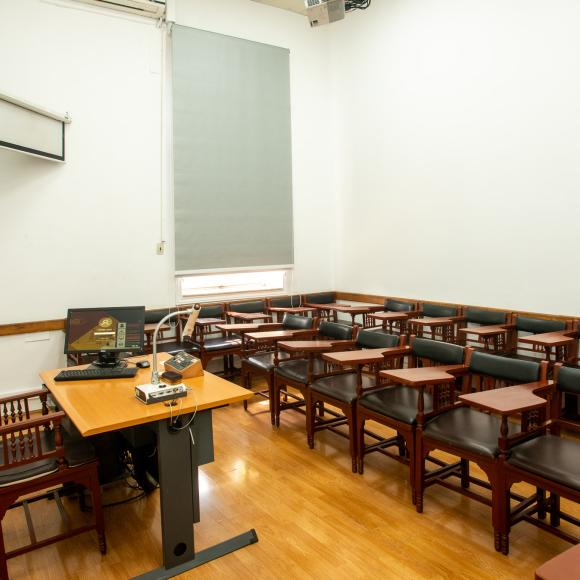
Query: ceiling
column 292, row 5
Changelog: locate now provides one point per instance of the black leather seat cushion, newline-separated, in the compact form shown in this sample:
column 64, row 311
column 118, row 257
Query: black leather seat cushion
column 551, row 457
column 397, row 402
column 468, row 429
column 297, row 370
column 265, row 360
column 341, row 387
column 29, row 470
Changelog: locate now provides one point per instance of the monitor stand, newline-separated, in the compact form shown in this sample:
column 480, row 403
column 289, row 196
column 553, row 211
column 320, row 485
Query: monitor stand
column 108, row 360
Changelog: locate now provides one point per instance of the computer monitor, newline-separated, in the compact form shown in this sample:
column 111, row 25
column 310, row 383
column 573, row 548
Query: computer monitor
column 106, row 332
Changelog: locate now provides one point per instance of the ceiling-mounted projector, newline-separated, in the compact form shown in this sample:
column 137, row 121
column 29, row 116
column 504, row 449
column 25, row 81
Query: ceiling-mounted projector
column 319, row 11
column 324, row 11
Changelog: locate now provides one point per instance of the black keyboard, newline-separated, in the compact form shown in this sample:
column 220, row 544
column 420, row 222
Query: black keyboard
column 94, row 374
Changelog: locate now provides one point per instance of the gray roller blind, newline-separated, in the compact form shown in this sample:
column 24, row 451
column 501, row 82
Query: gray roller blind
column 232, row 152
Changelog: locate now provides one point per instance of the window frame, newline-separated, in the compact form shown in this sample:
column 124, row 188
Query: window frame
column 227, row 295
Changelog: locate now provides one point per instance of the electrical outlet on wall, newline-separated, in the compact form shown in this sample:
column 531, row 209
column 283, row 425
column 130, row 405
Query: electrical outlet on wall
column 160, row 248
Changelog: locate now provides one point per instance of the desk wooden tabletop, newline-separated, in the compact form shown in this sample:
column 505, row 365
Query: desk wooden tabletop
column 249, row 316
column 291, row 309
column 389, row 316
column 151, row 326
column 310, row 345
column 356, row 357
column 328, row 306
column 99, row 406
column 241, row 327
column 490, row 330
column 548, row 339
column 363, row 309
column 209, row 321
column 420, row 376
column 509, row 399
column 278, row 334
column 430, row 321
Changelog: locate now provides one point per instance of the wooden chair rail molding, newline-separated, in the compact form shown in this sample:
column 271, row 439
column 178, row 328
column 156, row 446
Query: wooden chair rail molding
column 47, row 325
column 30, row 327
column 375, row 299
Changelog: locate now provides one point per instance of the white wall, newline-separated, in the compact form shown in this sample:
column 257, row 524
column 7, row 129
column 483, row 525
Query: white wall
column 460, row 139
column 84, row 233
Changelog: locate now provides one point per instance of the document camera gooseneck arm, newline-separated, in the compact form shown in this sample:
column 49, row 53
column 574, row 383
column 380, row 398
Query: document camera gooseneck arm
column 187, row 331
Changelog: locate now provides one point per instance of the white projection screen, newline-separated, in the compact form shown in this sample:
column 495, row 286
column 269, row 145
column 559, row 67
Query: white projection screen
column 30, row 130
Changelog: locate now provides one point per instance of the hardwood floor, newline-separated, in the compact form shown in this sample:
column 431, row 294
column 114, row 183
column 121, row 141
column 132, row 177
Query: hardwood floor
column 314, row 518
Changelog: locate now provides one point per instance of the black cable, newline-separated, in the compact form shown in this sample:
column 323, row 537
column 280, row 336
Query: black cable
column 351, row 5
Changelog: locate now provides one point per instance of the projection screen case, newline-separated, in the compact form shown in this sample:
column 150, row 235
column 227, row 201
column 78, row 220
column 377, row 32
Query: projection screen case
column 30, row 129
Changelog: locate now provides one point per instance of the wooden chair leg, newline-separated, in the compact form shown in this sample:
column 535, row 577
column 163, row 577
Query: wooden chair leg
column 275, row 401
column 464, row 473
column 82, row 498
column 541, row 501
column 351, row 418
column 270, row 380
column 3, row 559
column 419, row 475
column 246, row 382
column 554, row 509
column 500, row 511
column 98, row 509
column 410, row 445
column 361, row 444
column 310, row 417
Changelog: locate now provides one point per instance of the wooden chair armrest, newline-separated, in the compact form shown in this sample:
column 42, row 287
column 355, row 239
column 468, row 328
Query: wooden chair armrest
column 268, row 326
column 396, row 351
column 343, row 345
column 457, row 318
column 35, row 422
column 25, row 395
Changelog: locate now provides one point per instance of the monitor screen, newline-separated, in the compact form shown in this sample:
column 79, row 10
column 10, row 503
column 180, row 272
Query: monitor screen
column 117, row 329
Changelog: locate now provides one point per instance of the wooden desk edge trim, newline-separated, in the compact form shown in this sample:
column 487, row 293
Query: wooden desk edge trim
column 90, row 432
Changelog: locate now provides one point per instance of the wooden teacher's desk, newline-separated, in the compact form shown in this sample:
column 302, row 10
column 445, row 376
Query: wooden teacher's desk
column 100, row 406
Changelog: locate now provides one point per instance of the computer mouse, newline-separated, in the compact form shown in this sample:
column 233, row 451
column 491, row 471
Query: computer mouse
column 143, row 364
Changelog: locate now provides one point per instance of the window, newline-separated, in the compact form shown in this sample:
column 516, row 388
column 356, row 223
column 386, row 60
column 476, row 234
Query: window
column 232, row 283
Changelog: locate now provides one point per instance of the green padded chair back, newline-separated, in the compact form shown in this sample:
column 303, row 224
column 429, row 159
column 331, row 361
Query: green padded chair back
column 335, row 330
column 248, row 307
column 152, row 316
column 538, row 325
column 509, row 369
column 569, row 380
column 321, row 298
column 398, row 305
column 438, row 351
column 285, row 301
column 438, row 311
column 485, row 317
column 372, row 339
column 214, row 311
column 294, row 322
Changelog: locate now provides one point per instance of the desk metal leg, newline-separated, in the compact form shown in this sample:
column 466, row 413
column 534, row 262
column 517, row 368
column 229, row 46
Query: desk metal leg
column 179, row 496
